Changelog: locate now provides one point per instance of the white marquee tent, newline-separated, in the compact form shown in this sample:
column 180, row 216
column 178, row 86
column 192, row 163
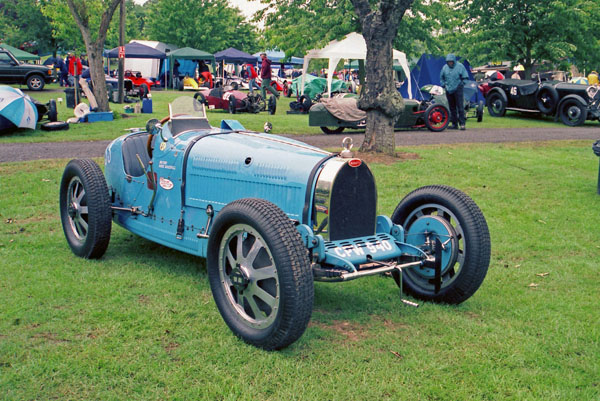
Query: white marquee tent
column 352, row 47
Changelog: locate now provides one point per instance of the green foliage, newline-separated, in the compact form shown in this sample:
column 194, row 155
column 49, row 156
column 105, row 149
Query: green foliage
column 135, row 19
column 524, row 31
column 206, row 25
column 22, row 21
column 296, row 26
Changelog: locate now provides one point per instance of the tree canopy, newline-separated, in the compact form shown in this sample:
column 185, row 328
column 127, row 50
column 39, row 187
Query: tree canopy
column 209, row 25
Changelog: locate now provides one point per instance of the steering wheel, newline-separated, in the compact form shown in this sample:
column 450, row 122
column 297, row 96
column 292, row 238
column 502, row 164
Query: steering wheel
column 150, row 128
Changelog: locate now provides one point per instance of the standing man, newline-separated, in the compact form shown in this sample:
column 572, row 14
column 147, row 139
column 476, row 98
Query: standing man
column 75, row 69
column 453, row 78
column 265, row 75
column 252, row 75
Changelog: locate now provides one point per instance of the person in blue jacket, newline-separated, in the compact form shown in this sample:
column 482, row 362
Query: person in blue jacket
column 453, row 78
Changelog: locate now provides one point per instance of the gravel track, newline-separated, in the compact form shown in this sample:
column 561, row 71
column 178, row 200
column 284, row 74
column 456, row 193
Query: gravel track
column 16, row 152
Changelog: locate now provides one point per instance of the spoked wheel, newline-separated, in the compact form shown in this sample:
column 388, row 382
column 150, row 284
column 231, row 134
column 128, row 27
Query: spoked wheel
column 260, row 274
column 573, row 113
column 496, row 105
column 85, row 209
column 447, row 214
column 437, row 117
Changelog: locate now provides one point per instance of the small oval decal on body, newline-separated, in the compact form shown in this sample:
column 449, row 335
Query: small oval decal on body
column 163, row 146
column 355, row 162
column 165, row 183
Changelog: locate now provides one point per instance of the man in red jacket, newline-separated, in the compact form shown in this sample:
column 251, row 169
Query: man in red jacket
column 252, row 75
column 75, row 69
column 265, row 74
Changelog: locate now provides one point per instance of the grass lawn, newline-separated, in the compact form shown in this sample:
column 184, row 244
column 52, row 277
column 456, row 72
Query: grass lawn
column 282, row 123
column 140, row 324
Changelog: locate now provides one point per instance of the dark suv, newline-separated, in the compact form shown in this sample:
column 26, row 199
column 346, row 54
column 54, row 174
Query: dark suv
column 12, row 71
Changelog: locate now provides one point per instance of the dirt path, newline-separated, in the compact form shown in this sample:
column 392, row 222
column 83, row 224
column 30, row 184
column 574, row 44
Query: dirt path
column 14, row 152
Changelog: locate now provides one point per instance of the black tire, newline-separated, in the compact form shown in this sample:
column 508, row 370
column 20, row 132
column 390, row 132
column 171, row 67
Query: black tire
column 547, row 99
column 466, row 268
column 272, row 107
column 287, row 90
column 573, row 112
column 180, row 85
column 35, row 82
column 85, row 208
column 305, row 102
column 276, row 304
column 437, row 117
column 55, row 126
column 330, row 131
column 496, row 105
column 479, row 111
column 231, row 104
column 200, row 97
column 235, row 86
column 52, row 111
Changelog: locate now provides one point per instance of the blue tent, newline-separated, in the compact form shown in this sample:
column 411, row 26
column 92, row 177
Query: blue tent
column 427, row 71
column 136, row 50
column 234, row 56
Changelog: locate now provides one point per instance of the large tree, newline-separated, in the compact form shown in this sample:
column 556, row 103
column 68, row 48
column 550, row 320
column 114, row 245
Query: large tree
column 209, row 25
column 92, row 18
column 22, row 24
column 379, row 97
column 524, row 31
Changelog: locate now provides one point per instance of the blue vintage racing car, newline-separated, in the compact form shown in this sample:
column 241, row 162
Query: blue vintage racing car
column 271, row 215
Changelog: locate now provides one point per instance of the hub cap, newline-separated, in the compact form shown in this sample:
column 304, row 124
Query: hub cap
column 77, row 209
column 249, row 276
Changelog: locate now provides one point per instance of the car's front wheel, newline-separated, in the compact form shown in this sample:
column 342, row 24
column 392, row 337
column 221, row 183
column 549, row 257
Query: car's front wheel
column 573, row 112
column 445, row 213
column 496, row 105
column 260, row 274
column 35, row 82
column 85, row 208
column 437, row 117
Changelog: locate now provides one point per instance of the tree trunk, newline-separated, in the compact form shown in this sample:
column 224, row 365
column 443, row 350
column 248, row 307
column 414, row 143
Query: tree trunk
column 94, row 47
column 379, row 97
column 97, row 74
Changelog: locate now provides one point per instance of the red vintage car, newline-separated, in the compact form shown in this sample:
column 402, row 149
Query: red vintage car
column 235, row 101
column 139, row 82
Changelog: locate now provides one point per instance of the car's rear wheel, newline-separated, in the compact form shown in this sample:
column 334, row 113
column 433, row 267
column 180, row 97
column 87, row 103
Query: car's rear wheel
column 260, row 274
column 235, row 86
column 330, row 131
column 447, row 214
column 272, row 107
column 231, row 104
column 85, row 208
column 437, row 117
column 479, row 111
column 52, row 112
column 35, row 82
column 573, row 112
column 496, row 105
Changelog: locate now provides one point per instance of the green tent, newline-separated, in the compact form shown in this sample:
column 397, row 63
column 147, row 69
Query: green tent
column 187, row 53
column 18, row 53
column 315, row 85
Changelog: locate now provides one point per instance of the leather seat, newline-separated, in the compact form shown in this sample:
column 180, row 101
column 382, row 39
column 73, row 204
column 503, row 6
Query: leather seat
column 132, row 146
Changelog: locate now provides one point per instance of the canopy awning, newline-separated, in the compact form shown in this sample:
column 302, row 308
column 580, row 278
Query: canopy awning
column 18, row 53
column 137, row 50
column 352, row 47
column 234, row 56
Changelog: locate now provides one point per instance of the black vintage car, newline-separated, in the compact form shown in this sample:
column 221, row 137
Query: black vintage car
column 12, row 71
column 572, row 103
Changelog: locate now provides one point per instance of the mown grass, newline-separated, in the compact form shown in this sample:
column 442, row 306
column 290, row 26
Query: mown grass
column 140, row 324
column 283, row 123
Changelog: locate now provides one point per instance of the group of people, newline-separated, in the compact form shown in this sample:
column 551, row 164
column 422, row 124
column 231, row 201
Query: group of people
column 69, row 68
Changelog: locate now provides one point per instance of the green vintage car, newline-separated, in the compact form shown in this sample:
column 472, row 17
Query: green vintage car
column 335, row 114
